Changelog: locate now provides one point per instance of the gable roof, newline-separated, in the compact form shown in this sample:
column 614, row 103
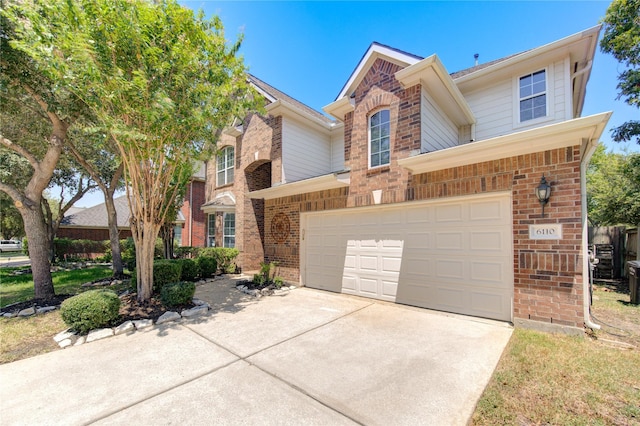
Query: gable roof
column 375, row 51
column 273, row 95
column 96, row 216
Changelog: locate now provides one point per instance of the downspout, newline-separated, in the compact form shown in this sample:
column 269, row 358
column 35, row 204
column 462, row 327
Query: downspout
column 190, row 213
column 589, row 150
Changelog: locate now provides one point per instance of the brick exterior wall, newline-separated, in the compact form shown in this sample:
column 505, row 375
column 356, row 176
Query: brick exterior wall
column 194, row 228
column 94, row 234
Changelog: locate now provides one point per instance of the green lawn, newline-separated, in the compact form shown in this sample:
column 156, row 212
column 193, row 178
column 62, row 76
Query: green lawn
column 18, row 288
column 547, row 379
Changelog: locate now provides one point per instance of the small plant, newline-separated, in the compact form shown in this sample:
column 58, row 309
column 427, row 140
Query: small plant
column 189, row 270
column 90, row 310
column 267, row 276
column 207, row 265
column 177, row 294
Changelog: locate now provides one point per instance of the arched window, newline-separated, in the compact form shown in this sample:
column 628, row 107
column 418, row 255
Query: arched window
column 379, row 146
column 225, row 166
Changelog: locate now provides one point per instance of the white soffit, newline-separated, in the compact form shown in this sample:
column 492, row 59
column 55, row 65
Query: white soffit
column 432, row 75
column 339, row 108
column 284, row 108
column 320, row 183
column 553, row 136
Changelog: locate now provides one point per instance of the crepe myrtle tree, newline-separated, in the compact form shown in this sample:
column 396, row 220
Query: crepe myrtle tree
column 159, row 78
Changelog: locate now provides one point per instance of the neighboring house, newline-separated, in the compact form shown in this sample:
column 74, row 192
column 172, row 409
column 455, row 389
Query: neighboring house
column 91, row 223
column 422, row 190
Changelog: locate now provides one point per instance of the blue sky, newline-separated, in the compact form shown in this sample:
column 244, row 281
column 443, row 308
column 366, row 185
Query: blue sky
column 309, row 49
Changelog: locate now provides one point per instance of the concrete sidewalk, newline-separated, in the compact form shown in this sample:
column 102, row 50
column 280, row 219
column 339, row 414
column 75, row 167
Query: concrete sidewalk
column 307, row 357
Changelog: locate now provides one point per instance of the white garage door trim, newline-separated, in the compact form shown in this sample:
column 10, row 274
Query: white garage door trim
column 453, row 254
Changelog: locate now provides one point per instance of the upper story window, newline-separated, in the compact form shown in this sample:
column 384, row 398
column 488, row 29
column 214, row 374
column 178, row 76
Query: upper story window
column 225, row 166
column 379, row 146
column 533, row 96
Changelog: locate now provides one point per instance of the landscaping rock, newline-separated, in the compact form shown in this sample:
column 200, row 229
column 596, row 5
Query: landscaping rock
column 45, row 309
column 140, row 324
column 125, row 327
column 81, row 341
column 98, row 334
column 8, row 315
column 27, row 312
column 65, row 343
column 193, row 312
column 168, row 316
column 63, row 335
column 199, row 302
column 292, row 287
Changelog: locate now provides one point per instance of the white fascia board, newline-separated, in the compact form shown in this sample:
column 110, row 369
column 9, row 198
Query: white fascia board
column 320, row 183
column 233, row 131
column 531, row 54
column 431, row 73
column 262, row 92
column 374, row 52
column 284, row 108
column 553, row 136
column 339, row 108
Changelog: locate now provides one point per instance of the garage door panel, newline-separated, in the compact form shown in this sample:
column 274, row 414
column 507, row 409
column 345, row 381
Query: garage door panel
column 449, row 213
column 448, row 268
column 449, row 240
column 449, row 255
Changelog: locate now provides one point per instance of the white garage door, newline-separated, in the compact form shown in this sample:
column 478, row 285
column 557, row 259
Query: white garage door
column 453, row 256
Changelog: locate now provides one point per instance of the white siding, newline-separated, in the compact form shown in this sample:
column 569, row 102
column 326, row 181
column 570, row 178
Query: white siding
column 492, row 107
column 337, row 150
column 306, row 152
column 496, row 106
column 437, row 130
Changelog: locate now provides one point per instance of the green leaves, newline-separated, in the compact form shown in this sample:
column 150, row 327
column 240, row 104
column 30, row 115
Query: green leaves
column 621, row 38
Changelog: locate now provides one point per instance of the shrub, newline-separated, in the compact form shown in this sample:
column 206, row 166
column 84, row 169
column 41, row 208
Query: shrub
column 189, row 269
column 225, row 257
column 90, row 310
column 128, row 252
column 207, row 266
column 183, row 252
column 165, row 272
column 177, row 294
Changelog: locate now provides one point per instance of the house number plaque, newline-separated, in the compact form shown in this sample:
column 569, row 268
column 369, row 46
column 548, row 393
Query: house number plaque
column 280, row 227
column 550, row 231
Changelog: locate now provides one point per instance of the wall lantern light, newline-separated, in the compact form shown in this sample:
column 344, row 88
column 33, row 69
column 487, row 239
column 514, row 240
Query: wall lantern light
column 543, row 192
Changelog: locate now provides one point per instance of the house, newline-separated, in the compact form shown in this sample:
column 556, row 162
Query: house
column 421, row 188
column 91, row 223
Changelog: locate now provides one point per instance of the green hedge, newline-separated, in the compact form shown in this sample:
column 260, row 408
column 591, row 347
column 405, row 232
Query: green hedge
column 90, row 310
column 177, row 294
column 225, row 257
column 189, row 271
column 207, row 266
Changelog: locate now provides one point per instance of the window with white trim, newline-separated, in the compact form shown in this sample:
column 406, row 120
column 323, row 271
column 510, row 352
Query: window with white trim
column 379, row 142
column 225, row 165
column 533, row 95
column 229, row 230
column 177, row 235
column 211, row 230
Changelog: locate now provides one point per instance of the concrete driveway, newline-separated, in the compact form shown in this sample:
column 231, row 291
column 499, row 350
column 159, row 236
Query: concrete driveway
column 307, row 357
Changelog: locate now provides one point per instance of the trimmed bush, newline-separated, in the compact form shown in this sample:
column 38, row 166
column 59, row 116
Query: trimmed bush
column 189, row 269
column 165, row 272
column 177, row 294
column 90, row 310
column 225, row 257
column 207, row 265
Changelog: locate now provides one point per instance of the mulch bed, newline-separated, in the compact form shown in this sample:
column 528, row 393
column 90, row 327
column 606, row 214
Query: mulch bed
column 130, row 308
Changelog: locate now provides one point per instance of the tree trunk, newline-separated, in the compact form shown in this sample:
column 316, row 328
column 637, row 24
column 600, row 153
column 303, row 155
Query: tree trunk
column 145, row 241
column 37, row 237
column 114, row 237
column 166, row 233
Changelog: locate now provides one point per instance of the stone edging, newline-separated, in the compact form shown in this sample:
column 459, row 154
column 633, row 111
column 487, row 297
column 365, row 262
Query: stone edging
column 68, row 338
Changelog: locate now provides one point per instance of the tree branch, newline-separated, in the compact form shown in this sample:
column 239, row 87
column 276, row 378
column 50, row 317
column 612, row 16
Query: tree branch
column 21, row 151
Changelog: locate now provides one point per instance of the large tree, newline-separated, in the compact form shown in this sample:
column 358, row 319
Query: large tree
column 159, row 79
column 622, row 39
column 36, row 116
column 613, row 188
